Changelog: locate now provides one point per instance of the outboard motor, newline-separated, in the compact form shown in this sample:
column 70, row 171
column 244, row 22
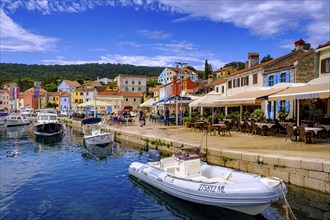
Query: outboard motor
column 153, row 156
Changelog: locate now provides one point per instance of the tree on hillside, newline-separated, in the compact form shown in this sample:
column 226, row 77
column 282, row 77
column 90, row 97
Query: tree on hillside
column 236, row 64
column 51, row 87
column 266, row 58
column 208, row 70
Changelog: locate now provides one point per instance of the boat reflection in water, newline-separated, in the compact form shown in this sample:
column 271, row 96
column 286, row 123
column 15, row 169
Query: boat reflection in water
column 102, row 153
column 187, row 210
column 49, row 140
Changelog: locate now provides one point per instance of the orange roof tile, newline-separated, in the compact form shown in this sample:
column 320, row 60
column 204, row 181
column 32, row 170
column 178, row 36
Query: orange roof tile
column 71, row 83
column 324, row 45
column 132, row 94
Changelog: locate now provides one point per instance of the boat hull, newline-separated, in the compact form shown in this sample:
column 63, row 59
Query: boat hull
column 48, row 129
column 249, row 198
column 100, row 140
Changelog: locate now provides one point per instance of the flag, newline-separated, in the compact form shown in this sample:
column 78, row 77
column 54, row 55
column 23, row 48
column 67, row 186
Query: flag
column 37, row 86
column 15, row 92
column 36, row 92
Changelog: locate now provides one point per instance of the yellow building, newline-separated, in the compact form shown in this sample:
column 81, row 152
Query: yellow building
column 54, row 98
column 224, row 72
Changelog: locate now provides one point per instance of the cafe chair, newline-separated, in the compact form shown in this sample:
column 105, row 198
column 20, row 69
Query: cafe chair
column 291, row 133
column 305, row 136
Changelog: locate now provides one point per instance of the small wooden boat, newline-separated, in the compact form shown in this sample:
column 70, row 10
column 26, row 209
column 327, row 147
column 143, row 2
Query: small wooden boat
column 93, row 136
column 186, row 177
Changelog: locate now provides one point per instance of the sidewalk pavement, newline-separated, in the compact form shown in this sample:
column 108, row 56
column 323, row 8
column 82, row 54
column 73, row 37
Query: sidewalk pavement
column 275, row 145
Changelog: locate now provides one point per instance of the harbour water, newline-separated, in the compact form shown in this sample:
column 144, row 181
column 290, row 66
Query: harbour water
column 48, row 180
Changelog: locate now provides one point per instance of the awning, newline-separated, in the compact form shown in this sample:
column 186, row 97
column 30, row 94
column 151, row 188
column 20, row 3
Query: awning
column 248, row 97
column 309, row 91
column 148, row 103
column 207, row 100
column 171, row 98
column 91, row 103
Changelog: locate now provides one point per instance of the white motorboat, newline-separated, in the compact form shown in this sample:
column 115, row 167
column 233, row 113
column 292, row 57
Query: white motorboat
column 93, row 136
column 48, row 125
column 186, row 177
column 16, row 119
column 29, row 114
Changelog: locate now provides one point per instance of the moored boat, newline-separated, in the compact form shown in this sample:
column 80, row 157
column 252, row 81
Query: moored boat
column 16, row 119
column 186, row 177
column 93, row 136
column 48, row 125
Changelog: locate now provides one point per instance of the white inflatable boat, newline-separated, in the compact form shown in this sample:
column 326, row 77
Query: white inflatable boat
column 186, row 177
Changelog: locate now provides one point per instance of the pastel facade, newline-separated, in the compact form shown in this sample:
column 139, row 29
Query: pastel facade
column 67, row 86
column 65, row 102
column 132, row 83
column 166, row 76
column 5, row 96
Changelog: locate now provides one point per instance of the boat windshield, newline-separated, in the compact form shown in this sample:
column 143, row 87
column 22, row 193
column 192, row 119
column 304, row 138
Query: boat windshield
column 187, row 153
column 52, row 117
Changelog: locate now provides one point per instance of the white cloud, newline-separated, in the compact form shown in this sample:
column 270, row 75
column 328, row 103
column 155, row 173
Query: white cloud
column 138, row 60
column 261, row 17
column 16, row 39
column 154, row 35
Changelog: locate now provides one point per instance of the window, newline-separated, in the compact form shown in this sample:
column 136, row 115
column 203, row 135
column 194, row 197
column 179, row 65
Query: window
column 76, row 100
column 133, row 89
column 245, row 81
column 255, row 78
column 139, row 89
column 126, row 82
column 133, row 82
column 271, row 80
column 134, row 100
column 223, row 89
column 86, row 93
column 229, row 84
column 76, row 93
column 217, row 89
column 64, row 100
column 126, row 88
column 139, row 82
column 325, row 65
column 236, row 83
column 81, row 93
column 283, row 77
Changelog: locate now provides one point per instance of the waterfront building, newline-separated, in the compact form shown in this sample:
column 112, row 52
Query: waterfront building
column 131, row 83
column 68, row 86
column 54, row 99
column 299, row 67
column 65, row 102
column 5, row 96
column 114, row 99
column 35, row 102
column 133, row 99
column 167, row 75
column 223, row 72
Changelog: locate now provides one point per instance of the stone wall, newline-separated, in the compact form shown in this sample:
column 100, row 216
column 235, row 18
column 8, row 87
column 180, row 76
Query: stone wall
column 306, row 68
column 308, row 173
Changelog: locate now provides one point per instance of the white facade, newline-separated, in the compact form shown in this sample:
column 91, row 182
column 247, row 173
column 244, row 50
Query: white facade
column 167, row 74
column 132, row 83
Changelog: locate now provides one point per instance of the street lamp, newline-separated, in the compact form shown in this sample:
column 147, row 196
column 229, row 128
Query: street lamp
column 181, row 90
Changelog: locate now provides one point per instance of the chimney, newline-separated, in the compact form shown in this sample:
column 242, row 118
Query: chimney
column 210, row 79
column 299, row 44
column 253, row 59
column 174, row 89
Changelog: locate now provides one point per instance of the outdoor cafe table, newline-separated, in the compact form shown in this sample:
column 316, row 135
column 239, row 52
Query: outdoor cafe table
column 326, row 127
column 315, row 130
column 219, row 126
column 268, row 125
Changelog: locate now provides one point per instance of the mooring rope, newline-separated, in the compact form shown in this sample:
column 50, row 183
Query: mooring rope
column 286, row 205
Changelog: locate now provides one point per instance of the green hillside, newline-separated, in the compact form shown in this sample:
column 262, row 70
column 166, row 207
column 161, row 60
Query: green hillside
column 53, row 73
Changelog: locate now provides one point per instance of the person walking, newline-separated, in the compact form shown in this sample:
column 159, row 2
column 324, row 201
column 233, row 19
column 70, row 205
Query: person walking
column 167, row 116
column 141, row 118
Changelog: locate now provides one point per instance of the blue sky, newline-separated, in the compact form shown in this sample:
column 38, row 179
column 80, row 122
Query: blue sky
column 157, row 33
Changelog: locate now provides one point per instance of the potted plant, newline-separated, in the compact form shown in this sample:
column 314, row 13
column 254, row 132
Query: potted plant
column 282, row 114
column 258, row 114
column 187, row 121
